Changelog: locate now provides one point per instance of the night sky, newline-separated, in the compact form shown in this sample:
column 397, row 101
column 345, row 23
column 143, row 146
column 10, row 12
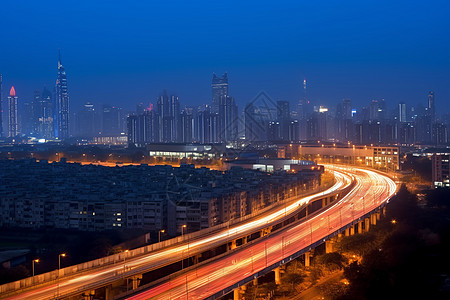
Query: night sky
column 122, row 52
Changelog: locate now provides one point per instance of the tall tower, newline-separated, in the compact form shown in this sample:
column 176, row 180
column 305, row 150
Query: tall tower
column 62, row 103
column 1, row 109
column 430, row 108
column 12, row 106
column 219, row 89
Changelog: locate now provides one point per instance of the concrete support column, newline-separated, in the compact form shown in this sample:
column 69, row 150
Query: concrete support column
column 307, row 259
column 233, row 245
column 378, row 216
column 366, row 224
column 324, row 202
column 328, row 246
column 244, row 240
column 136, row 279
column 373, row 219
column 236, row 294
column 352, row 230
column 197, row 258
column 347, row 232
column 277, row 276
column 360, row 227
column 108, row 292
column 255, row 281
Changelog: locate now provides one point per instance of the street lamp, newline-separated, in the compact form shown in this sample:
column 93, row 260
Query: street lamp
column 34, row 261
column 124, row 257
column 182, row 231
column 159, row 235
column 59, row 261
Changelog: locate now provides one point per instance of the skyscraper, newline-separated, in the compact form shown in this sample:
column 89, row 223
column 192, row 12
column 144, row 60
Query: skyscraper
column 402, row 116
column 110, row 121
column 12, row 106
column 228, row 120
column 1, row 109
column 43, row 114
column 219, row 89
column 431, row 110
column 62, row 103
column 284, row 118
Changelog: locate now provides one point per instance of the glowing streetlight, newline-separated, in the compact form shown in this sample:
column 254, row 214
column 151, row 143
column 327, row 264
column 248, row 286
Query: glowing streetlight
column 159, row 234
column 394, row 221
column 59, row 260
column 34, row 261
column 182, row 229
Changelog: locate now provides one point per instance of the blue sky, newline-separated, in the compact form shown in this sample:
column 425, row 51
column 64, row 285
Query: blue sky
column 125, row 52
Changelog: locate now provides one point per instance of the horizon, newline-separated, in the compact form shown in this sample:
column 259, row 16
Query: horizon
column 360, row 51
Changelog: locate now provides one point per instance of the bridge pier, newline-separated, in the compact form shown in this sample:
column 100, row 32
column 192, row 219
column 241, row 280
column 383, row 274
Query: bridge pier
column 255, row 281
column 373, row 219
column 307, row 259
column 360, row 227
column 352, row 230
column 236, row 294
column 329, row 246
column 136, row 279
column 196, row 258
column 108, row 292
column 347, row 232
column 277, row 276
column 366, row 224
column 378, row 216
column 233, row 245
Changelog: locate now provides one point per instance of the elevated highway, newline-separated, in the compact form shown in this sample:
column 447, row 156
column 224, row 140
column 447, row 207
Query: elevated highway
column 218, row 275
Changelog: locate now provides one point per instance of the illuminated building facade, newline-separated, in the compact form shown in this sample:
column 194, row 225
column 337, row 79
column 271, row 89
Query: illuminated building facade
column 62, row 103
column 13, row 125
column 441, row 169
column 379, row 157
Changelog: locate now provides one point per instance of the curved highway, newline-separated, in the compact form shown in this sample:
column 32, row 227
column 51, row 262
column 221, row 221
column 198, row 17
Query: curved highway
column 101, row 276
column 371, row 190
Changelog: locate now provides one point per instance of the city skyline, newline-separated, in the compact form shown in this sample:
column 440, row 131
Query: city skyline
column 359, row 51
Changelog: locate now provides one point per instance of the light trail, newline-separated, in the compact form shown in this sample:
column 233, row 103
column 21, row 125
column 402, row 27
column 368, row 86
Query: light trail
column 371, row 190
column 100, row 276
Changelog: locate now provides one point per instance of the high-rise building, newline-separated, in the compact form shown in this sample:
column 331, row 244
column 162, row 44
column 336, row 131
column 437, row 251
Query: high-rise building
column 284, row 118
column 87, row 124
column 174, row 114
column 431, row 109
column 12, row 113
column 62, row 103
column 143, row 129
column 219, row 89
column 1, row 107
column 187, row 125
column 346, row 109
column 402, row 116
column 110, row 121
column 43, row 114
column 228, row 120
column 441, row 169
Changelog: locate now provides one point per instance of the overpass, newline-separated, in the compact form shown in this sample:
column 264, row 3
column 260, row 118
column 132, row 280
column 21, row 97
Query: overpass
column 291, row 218
column 215, row 278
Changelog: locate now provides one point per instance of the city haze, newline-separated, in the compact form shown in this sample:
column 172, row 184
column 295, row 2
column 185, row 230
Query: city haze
column 125, row 54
